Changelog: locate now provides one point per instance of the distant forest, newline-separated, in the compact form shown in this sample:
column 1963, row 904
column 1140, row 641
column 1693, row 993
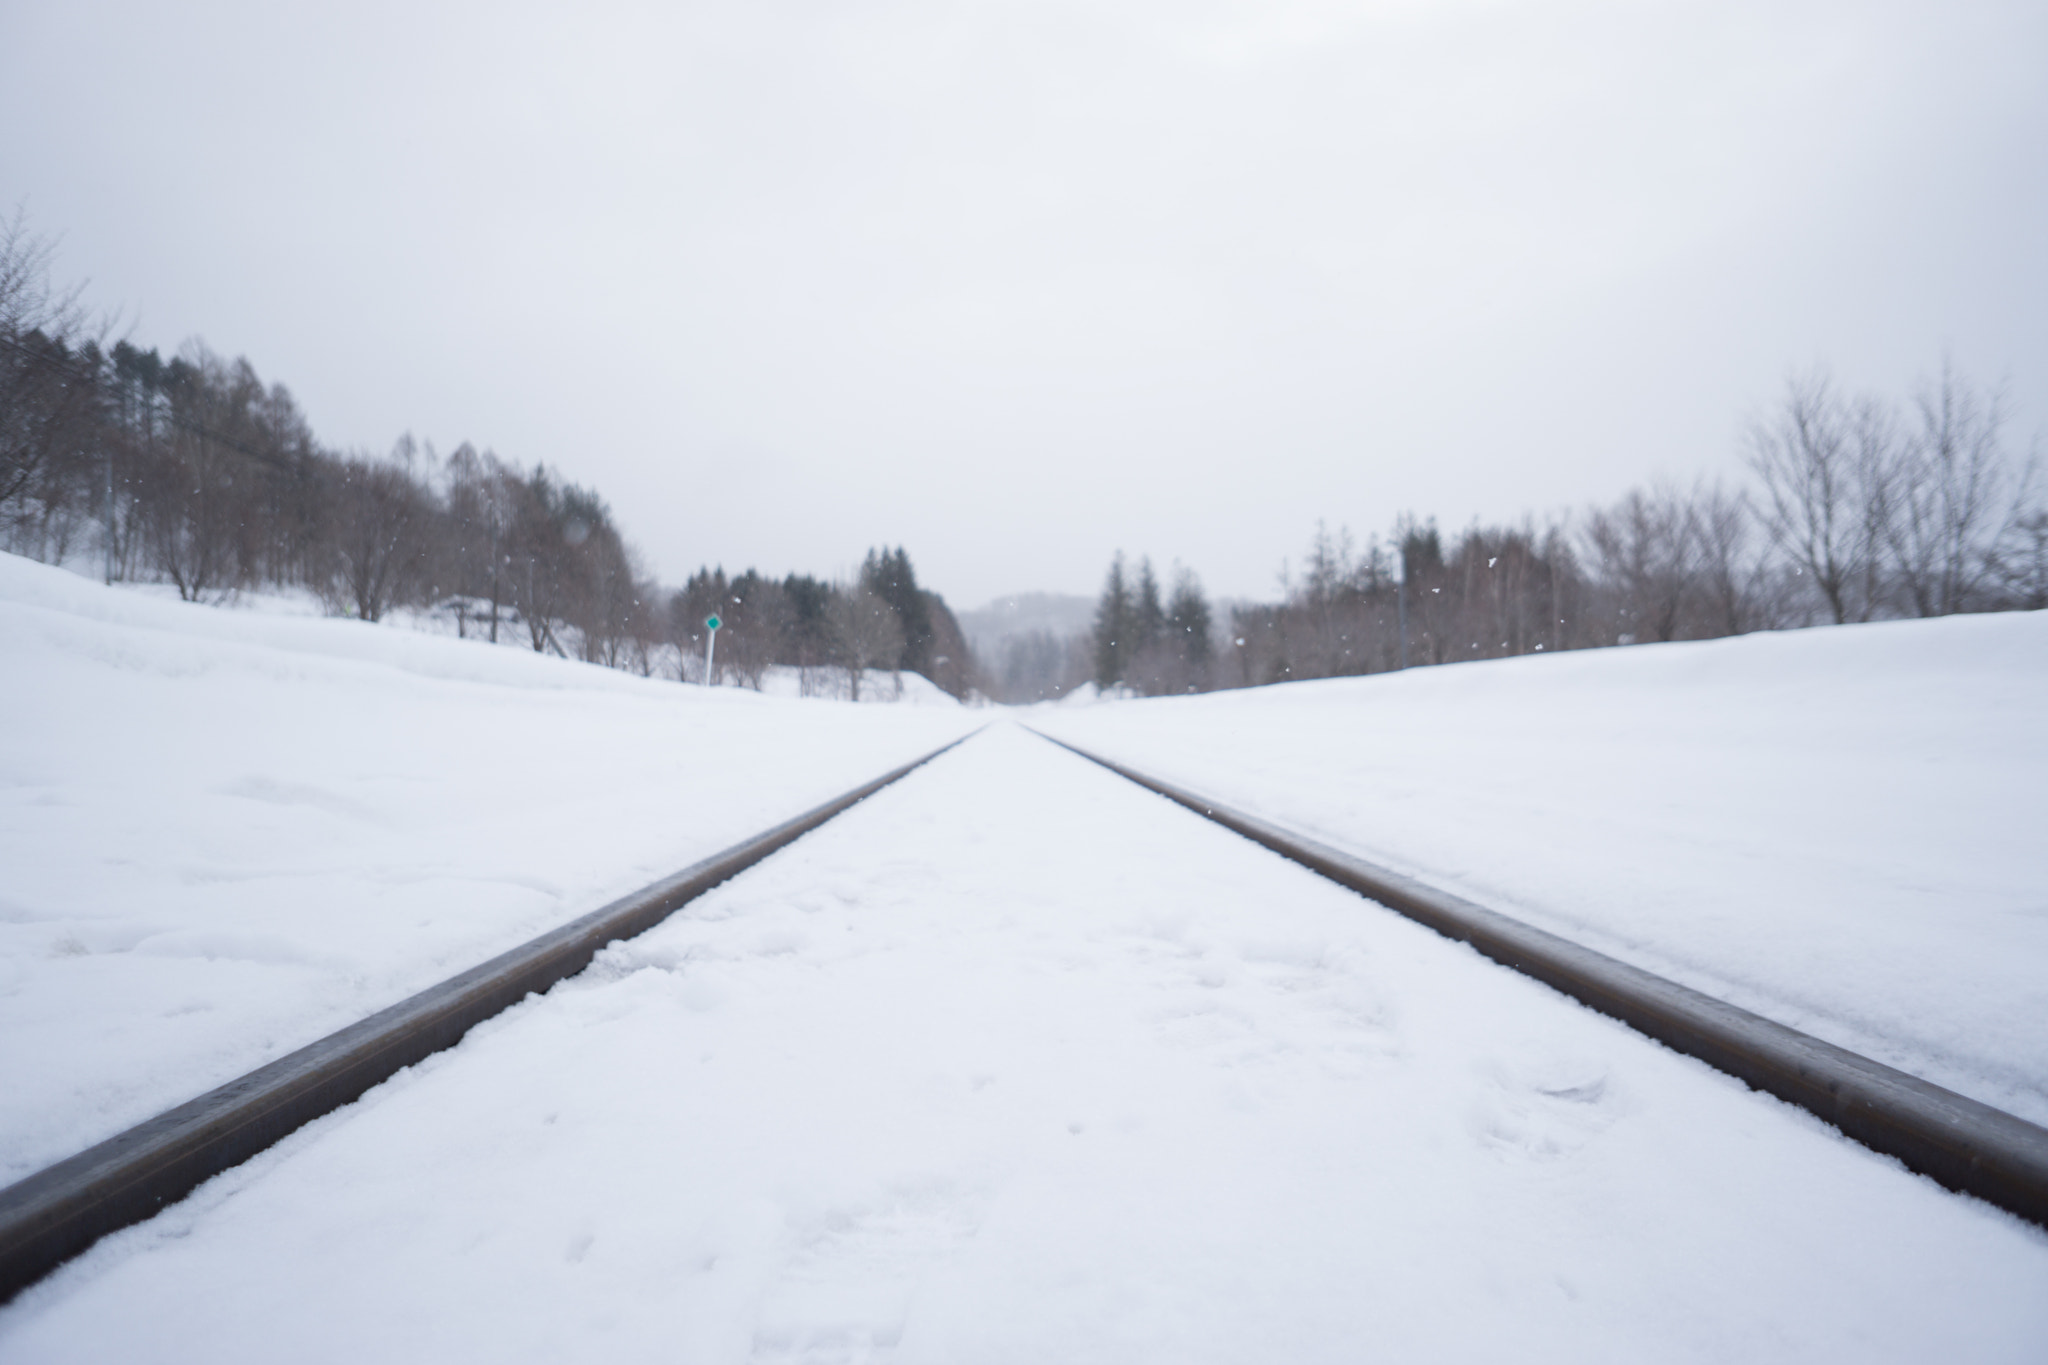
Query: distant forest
column 1857, row 508
column 192, row 471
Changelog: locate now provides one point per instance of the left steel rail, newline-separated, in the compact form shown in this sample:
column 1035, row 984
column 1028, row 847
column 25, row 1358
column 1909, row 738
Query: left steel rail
column 62, row 1210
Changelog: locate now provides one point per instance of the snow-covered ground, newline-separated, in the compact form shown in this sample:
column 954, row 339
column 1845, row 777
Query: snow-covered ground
column 876, row 684
column 1017, row 1062
column 228, row 832
column 1845, row 829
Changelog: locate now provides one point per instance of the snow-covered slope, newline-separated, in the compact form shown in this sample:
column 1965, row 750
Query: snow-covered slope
column 226, row 833
column 1846, row 829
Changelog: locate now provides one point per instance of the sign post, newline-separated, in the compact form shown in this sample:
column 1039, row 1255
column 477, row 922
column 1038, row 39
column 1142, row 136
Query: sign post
column 711, row 625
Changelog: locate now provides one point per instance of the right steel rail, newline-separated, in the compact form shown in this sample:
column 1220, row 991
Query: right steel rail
column 1964, row 1144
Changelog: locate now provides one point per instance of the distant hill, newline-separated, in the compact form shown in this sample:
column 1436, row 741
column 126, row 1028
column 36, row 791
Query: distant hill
column 1025, row 613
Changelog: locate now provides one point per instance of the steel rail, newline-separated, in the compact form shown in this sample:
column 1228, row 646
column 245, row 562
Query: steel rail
column 62, row 1210
column 1964, row 1144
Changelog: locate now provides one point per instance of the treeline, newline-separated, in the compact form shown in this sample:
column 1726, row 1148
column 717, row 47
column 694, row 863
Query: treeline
column 831, row 634
column 1151, row 646
column 194, row 472
column 1040, row 665
column 1859, row 509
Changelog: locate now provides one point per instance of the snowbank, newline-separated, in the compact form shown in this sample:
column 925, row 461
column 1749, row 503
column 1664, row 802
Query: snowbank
column 227, row 833
column 1840, row 828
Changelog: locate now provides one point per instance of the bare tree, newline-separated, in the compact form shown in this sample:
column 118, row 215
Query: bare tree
column 1955, row 496
column 1504, row 590
column 541, row 541
column 867, row 631
column 379, row 522
column 1825, row 467
column 482, row 500
column 191, row 490
column 2020, row 561
column 1645, row 549
column 608, row 589
column 1729, row 572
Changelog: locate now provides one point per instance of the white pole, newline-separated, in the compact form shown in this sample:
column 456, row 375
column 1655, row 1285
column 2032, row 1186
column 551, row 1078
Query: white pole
column 710, row 639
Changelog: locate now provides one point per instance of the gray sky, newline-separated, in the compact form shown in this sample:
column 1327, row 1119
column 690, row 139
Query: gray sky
column 1017, row 285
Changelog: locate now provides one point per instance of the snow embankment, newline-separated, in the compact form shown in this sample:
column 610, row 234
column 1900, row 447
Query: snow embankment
column 227, row 833
column 1839, row 828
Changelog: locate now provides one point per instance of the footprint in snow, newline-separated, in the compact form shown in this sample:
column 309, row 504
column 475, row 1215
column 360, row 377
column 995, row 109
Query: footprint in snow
column 845, row 1289
column 1542, row 1107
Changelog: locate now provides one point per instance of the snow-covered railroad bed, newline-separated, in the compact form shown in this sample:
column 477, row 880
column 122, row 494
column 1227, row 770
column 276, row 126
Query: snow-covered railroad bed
column 1838, row 829
column 225, row 834
column 1016, row 1061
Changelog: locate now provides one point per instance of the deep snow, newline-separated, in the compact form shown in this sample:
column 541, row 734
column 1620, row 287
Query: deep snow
column 227, row 833
column 1844, row 829
column 1017, row 1062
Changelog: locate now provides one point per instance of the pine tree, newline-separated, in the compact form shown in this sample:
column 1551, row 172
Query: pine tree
column 1113, row 621
column 888, row 574
column 1148, row 618
column 807, row 641
column 1187, row 630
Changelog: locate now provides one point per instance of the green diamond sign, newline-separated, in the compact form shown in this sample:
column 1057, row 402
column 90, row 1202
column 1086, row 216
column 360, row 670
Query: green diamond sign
column 712, row 623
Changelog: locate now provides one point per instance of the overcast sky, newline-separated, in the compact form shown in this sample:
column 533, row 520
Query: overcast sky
column 1016, row 285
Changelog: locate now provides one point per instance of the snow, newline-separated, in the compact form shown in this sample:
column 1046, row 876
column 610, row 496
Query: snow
column 230, row 832
column 876, row 685
column 1841, row 828
column 1017, row 1062
column 1014, row 1060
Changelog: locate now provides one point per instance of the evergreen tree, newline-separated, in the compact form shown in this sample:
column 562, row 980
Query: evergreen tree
column 1148, row 618
column 1113, row 621
column 887, row 574
column 807, row 640
column 1422, row 549
column 1187, row 631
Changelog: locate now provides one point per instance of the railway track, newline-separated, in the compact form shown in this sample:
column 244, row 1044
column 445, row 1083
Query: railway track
column 1964, row 1145
column 63, row 1209
column 1968, row 1146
